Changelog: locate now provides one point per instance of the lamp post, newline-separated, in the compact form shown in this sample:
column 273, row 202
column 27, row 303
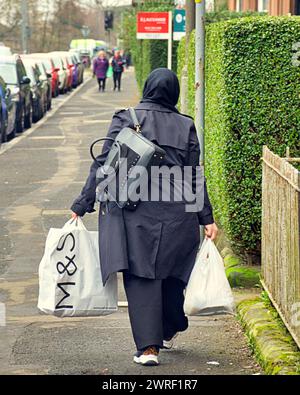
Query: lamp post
column 85, row 30
column 200, row 74
column 200, row 81
column 25, row 27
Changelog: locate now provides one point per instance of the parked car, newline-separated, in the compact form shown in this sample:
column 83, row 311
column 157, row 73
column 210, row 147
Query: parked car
column 85, row 58
column 47, row 79
column 62, row 72
column 14, row 74
column 74, row 69
column 7, row 113
column 76, row 60
column 5, row 51
column 37, row 94
column 43, row 82
column 51, row 71
column 2, row 117
column 69, row 69
column 77, row 72
column 80, row 68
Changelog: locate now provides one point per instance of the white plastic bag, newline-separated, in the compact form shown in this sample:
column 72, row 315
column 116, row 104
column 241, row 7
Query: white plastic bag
column 208, row 290
column 70, row 282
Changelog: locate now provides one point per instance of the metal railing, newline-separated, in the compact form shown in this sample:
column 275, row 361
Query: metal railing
column 281, row 237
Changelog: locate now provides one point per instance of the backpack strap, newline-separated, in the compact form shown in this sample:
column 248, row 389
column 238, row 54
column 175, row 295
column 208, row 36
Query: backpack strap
column 136, row 123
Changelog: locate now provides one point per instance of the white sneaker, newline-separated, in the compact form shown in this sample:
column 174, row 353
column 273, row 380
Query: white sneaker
column 168, row 344
column 149, row 357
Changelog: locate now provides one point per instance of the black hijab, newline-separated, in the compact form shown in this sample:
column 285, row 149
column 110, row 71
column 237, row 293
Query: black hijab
column 162, row 87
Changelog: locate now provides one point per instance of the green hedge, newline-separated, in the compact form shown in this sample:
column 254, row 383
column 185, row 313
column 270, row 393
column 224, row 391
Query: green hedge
column 191, row 75
column 147, row 55
column 220, row 16
column 180, row 61
column 210, row 17
column 252, row 99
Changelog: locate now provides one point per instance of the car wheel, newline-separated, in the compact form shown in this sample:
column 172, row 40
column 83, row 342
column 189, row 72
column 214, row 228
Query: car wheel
column 28, row 119
column 42, row 110
column 49, row 104
column 20, row 121
column 12, row 134
column 3, row 135
column 35, row 112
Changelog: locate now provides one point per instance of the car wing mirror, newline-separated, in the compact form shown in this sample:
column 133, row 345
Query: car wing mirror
column 25, row 80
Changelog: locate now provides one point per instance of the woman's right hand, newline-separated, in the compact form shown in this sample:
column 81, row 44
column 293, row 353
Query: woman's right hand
column 211, row 231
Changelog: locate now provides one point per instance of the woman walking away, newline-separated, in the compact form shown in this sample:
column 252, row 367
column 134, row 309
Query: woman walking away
column 118, row 68
column 100, row 67
column 154, row 246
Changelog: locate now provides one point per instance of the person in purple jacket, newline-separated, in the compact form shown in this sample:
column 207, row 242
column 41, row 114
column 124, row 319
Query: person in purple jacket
column 100, row 67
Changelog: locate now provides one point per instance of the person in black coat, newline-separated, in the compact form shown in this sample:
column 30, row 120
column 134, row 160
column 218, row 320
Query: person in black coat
column 118, row 67
column 156, row 245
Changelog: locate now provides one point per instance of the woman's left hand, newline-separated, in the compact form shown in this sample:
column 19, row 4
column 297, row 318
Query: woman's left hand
column 211, row 231
column 74, row 215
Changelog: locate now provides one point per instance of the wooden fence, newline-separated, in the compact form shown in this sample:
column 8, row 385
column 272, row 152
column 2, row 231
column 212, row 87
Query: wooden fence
column 281, row 237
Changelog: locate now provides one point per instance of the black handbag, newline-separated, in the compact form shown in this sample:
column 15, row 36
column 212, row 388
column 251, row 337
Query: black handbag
column 131, row 145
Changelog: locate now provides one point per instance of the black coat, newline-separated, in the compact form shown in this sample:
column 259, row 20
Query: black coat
column 118, row 64
column 158, row 239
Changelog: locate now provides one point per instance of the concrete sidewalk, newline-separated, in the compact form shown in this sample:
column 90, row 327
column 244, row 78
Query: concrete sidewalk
column 40, row 176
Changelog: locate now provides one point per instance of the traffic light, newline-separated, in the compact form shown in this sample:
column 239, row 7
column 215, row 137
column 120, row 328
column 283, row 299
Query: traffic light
column 108, row 20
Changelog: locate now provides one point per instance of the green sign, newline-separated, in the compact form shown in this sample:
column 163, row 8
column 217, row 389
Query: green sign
column 179, row 24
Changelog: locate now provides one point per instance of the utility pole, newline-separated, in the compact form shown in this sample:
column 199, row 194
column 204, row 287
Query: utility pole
column 200, row 82
column 200, row 74
column 170, row 40
column 25, row 27
column 189, row 27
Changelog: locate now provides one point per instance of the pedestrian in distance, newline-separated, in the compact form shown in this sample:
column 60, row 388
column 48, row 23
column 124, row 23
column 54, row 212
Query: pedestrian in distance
column 156, row 245
column 100, row 67
column 118, row 67
column 128, row 59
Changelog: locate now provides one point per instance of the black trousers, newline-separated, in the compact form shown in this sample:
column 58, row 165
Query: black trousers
column 155, row 309
column 117, row 79
column 101, row 82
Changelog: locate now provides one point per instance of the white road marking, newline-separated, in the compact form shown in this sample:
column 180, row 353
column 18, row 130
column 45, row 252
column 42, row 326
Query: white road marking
column 47, row 138
column 71, row 113
column 96, row 121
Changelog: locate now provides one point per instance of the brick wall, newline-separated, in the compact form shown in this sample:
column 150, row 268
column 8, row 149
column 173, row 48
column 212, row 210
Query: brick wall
column 276, row 7
column 231, row 5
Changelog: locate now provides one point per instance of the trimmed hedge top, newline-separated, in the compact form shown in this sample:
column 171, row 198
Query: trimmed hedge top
column 219, row 16
column 252, row 99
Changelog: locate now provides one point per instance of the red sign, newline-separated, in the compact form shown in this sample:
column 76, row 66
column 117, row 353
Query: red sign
column 153, row 25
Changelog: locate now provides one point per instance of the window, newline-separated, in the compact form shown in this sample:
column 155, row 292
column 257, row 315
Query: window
column 48, row 65
column 57, row 62
column 263, row 5
column 8, row 73
column 297, row 7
